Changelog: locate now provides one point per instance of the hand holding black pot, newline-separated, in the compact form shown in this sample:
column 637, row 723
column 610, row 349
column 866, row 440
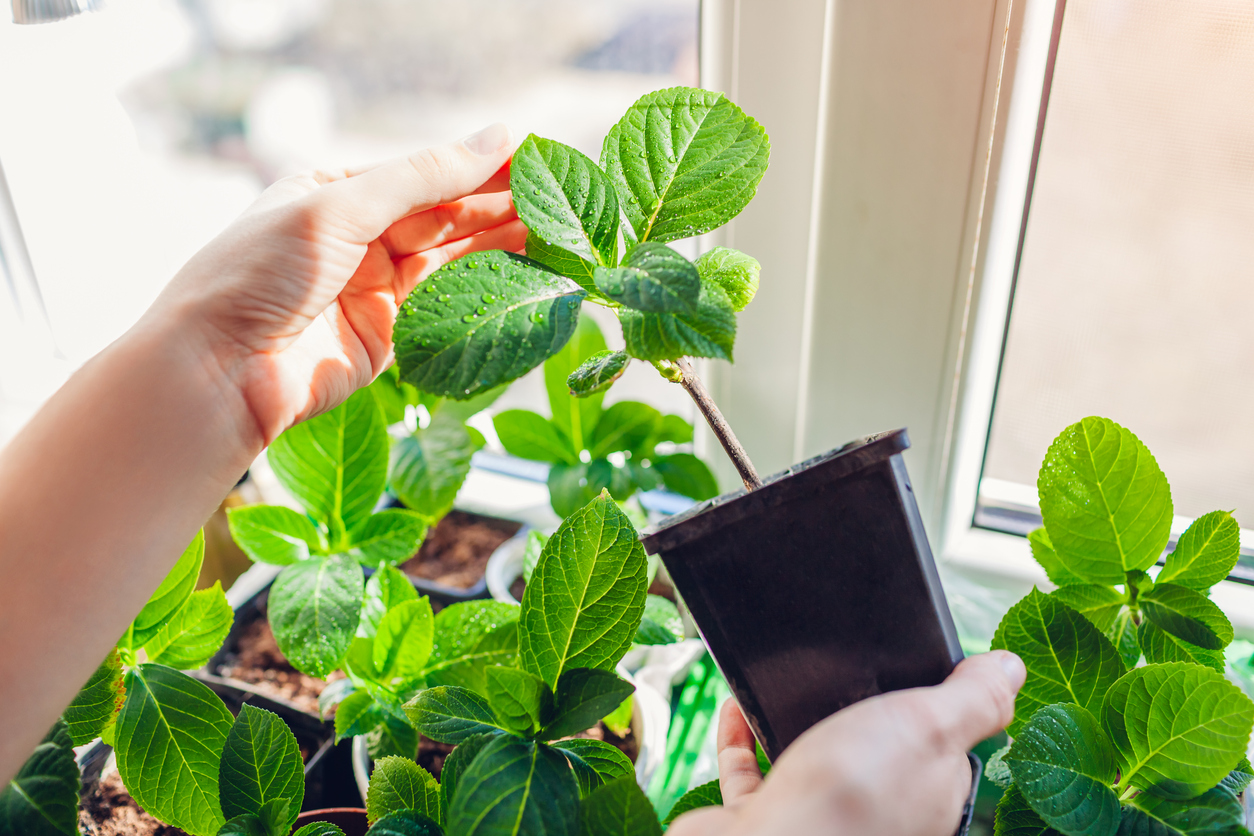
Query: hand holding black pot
column 892, row 765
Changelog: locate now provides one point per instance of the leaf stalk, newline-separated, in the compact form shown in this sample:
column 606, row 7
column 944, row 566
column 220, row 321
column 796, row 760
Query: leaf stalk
column 722, row 430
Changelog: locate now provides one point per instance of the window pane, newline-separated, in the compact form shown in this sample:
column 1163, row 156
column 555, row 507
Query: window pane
column 1135, row 296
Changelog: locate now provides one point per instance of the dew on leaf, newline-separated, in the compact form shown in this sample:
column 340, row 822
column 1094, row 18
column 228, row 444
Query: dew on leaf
column 537, row 317
column 470, row 317
column 444, row 297
column 482, row 309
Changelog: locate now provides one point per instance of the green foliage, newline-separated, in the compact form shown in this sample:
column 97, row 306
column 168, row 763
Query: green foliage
column 661, row 623
column 195, row 632
column 568, row 619
column 319, row 828
column 653, row 278
column 520, row 700
column 584, row 696
column 42, row 799
column 734, row 272
column 705, row 795
column 405, row 823
column 581, row 429
column 457, row 762
column 398, row 784
column 514, row 786
column 594, row 762
column 169, row 597
column 429, row 466
column 169, row 740
column 1166, row 758
column 274, row 534
column 707, row 331
column 260, row 766
column 470, row 637
column 618, row 808
column 450, row 714
column 96, row 703
column 314, row 609
column 597, row 373
column 387, row 588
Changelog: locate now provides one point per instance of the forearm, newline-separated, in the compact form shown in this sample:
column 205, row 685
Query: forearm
column 99, row 495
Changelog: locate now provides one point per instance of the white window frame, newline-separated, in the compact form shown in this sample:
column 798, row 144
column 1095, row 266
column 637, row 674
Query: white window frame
column 904, row 137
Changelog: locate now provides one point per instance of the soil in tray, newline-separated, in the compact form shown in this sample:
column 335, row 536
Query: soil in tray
column 258, row 661
column 456, row 551
column 110, row 811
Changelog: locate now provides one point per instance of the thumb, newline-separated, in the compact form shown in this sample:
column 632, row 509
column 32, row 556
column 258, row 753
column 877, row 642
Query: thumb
column 977, row 700
column 366, row 204
column 738, row 772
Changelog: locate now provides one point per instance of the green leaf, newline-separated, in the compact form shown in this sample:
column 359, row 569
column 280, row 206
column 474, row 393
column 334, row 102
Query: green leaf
column 195, row 633
column 1044, row 554
column 586, row 596
column 1015, row 818
column 565, row 199
column 573, row 418
column 319, row 828
column 1099, row 604
column 626, row 425
column 1064, row 765
column 661, row 623
column 386, row 589
column 996, row 771
column 261, row 763
column 684, row 162
column 1105, row 502
column 597, row 373
column 520, row 700
column 336, row 464
column 583, row 697
column 705, row 795
column 429, row 467
column 1238, row 779
column 1123, row 635
column 314, row 608
column 274, row 534
column 393, row 396
column 334, row 694
column 169, row 596
column 403, row 642
column 1206, row 552
column 709, row 332
column 528, row 435
column 619, row 720
column 1068, row 659
column 618, row 808
column 687, row 475
column 734, row 272
column 469, row 637
column 481, row 321
column 571, row 487
column 398, row 784
column 515, row 787
column 450, row 715
column 1179, row 728
column 552, row 256
column 358, row 713
column 653, row 278
column 673, row 429
column 96, row 703
column 405, row 823
column 531, row 554
column 274, row 819
column 1216, row 812
column 594, row 762
column 42, row 799
column 1188, row 615
column 168, row 741
column 392, row 737
column 457, row 762
column 388, row 537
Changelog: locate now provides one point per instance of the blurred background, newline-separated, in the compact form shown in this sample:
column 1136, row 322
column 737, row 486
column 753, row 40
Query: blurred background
column 130, row 136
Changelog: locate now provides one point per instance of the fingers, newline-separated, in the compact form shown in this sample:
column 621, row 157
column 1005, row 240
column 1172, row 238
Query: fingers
column 448, row 222
column 738, row 773
column 365, row 205
column 978, row 698
column 413, row 268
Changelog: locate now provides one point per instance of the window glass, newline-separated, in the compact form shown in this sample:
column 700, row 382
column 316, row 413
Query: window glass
column 132, row 135
column 1135, row 293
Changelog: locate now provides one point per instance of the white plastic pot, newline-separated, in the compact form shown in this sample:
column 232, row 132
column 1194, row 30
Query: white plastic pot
column 650, row 723
column 506, row 566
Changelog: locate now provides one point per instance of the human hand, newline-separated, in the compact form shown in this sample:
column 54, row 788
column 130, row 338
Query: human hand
column 292, row 306
column 893, row 765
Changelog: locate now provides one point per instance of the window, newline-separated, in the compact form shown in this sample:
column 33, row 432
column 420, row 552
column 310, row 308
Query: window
column 131, row 136
column 1133, row 297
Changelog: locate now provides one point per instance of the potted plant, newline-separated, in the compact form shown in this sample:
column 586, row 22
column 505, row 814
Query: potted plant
column 430, row 459
column 1103, row 744
column 181, row 755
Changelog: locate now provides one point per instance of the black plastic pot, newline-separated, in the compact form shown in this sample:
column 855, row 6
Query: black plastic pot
column 816, row 590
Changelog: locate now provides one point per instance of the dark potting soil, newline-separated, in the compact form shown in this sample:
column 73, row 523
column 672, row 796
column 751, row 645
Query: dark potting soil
column 431, row 755
column 110, row 811
column 456, row 551
column 258, row 661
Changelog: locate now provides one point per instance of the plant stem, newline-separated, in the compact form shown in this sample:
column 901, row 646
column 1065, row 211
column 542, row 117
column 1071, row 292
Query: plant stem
column 709, row 410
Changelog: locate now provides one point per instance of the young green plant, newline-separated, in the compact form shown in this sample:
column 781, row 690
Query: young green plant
column 680, row 163
column 590, row 448
column 180, row 753
column 1101, row 745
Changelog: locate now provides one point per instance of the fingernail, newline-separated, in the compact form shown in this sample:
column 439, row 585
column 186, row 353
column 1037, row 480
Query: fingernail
column 487, row 141
column 1012, row 665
